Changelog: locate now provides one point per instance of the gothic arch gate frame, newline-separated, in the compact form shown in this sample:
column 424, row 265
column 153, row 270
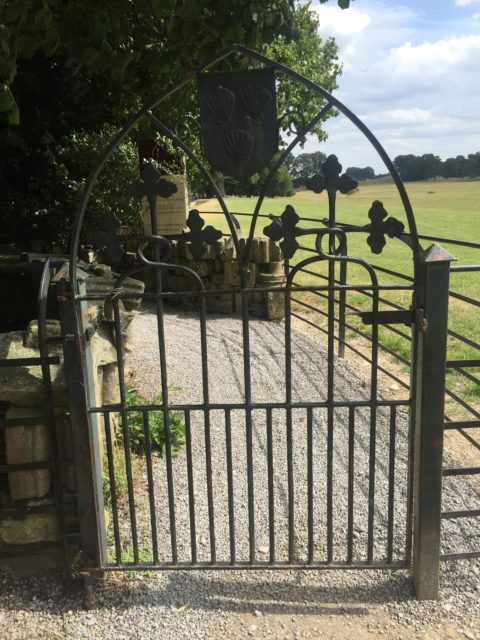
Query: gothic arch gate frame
column 241, row 147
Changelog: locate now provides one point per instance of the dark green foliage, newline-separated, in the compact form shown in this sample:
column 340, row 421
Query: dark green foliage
column 361, row 173
column 304, row 166
column 78, row 71
column 136, row 432
column 412, row 168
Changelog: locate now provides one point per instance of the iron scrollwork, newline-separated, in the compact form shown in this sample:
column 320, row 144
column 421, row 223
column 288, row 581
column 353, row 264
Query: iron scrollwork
column 380, row 226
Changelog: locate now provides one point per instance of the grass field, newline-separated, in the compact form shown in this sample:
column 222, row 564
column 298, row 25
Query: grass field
column 447, row 209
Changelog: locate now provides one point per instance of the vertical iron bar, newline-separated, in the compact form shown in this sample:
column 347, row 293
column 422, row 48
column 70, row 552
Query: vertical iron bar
column 342, row 305
column 191, row 487
column 289, row 432
column 151, row 485
column 351, row 480
column 271, row 495
column 330, row 369
column 373, row 428
column 113, row 487
column 430, row 401
column 391, row 482
column 166, row 413
column 231, row 503
column 310, row 482
column 49, row 409
column 125, row 431
column 84, row 434
column 208, row 444
column 248, row 426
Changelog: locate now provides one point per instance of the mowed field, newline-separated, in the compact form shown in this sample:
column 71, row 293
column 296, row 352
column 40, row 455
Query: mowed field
column 445, row 209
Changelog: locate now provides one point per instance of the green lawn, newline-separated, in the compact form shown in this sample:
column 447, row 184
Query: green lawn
column 446, row 209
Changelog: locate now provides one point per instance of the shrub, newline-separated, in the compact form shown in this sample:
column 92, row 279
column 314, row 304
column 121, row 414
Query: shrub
column 156, row 425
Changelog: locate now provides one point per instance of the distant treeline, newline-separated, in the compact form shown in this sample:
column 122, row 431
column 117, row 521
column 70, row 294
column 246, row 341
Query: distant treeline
column 410, row 167
column 296, row 170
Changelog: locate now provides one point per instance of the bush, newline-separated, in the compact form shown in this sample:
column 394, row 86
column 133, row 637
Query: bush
column 156, row 425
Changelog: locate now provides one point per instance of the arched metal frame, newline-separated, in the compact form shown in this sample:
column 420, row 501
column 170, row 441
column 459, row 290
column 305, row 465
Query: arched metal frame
column 331, row 102
column 284, row 229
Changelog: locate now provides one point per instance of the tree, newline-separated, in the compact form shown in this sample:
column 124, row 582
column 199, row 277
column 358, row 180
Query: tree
column 76, row 68
column 366, row 173
column 304, row 166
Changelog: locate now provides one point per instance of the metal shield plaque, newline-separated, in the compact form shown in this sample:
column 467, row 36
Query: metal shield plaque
column 238, row 120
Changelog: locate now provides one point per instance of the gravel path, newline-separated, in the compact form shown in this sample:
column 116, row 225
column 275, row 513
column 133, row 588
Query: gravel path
column 285, row 604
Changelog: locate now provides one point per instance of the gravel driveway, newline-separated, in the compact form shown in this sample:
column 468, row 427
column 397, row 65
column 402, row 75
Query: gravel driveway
column 285, row 604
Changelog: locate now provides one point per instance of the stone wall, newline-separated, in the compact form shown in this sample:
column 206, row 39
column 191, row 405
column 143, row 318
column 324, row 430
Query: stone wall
column 218, row 270
column 22, row 396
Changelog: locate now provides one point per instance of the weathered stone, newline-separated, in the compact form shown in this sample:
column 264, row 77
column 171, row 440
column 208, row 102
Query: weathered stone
column 35, row 527
column 29, row 443
column 260, row 250
column 228, row 252
column 110, row 385
column 274, row 302
column 232, row 274
column 275, row 252
column 202, row 267
column 23, row 386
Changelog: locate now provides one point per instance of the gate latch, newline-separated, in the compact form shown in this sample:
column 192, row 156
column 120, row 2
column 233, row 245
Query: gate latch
column 403, row 316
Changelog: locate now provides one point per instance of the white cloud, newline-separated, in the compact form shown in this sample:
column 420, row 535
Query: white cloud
column 342, row 23
column 465, row 3
column 412, row 78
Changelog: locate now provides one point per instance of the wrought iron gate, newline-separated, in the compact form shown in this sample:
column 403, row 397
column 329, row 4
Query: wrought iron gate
column 257, row 484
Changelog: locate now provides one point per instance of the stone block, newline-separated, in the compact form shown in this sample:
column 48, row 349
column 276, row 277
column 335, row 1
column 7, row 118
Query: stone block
column 260, row 250
column 232, row 274
column 275, row 252
column 35, row 527
column 29, row 443
column 201, row 267
column 274, row 303
column 23, row 386
column 228, row 252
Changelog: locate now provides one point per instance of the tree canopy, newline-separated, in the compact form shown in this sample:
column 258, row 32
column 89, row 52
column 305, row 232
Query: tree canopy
column 70, row 71
column 427, row 166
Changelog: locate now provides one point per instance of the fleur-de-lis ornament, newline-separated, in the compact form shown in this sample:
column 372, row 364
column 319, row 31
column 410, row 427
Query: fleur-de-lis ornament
column 198, row 236
column 151, row 186
column 332, row 179
column 285, row 227
column 381, row 226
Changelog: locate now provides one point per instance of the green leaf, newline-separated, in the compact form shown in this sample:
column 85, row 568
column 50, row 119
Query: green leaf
column 343, row 4
column 8, row 105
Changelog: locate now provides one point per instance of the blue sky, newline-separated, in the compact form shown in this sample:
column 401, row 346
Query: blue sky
column 411, row 73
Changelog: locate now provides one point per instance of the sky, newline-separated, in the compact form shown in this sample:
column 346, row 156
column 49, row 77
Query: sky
column 411, row 72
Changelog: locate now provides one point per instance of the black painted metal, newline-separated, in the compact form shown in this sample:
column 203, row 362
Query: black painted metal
column 233, row 144
column 56, row 499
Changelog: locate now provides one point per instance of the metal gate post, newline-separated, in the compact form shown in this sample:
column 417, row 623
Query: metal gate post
column 87, row 464
column 431, row 345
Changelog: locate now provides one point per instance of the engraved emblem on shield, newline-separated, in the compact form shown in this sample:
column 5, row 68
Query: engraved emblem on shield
column 238, row 120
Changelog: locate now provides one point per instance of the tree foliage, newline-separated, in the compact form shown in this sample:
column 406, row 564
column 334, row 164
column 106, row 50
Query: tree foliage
column 427, row 166
column 361, row 173
column 70, row 71
column 304, row 166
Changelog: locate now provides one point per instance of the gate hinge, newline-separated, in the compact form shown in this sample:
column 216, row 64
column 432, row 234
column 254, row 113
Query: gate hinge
column 403, row 316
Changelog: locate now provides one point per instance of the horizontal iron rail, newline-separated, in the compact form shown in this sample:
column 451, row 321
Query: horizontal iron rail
column 255, row 566
column 24, row 466
column 462, row 555
column 211, row 406
column 461, row 471
column 462, row 268
column 31, row 421
column 462, row 424
column 467, row 513
column 216, row 292
column 456, row 364
column 28, row 362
